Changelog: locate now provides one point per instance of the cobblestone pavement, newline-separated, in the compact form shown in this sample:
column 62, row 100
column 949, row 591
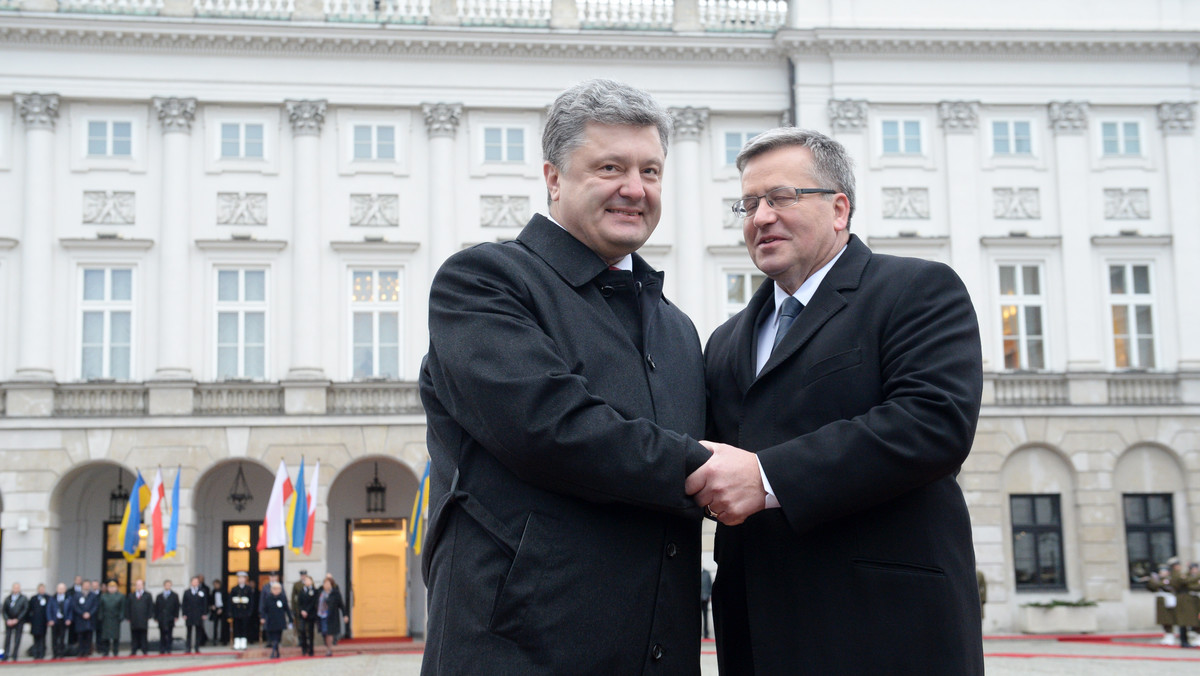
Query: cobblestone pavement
column 1009, row 656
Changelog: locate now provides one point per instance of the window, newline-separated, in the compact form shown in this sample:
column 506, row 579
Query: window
column 1011, row 138
column 1037, row 542
column 739, row 288
column 1121, row 138
column 1132, row 300
column 1021, row 304
column 902, row 137
column 1149, row 534
column 240, row 543
column 375, row 320
column 734, row 142
column 116, row 567
column 106, row 338
column 110, row 139
column 374, row 142
column 244, row 141
column 241, row 324
column 503, row 144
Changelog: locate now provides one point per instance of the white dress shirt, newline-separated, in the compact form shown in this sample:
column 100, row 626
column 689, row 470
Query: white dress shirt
column 766, row 339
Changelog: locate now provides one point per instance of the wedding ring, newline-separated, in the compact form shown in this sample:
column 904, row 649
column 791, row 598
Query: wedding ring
column 710, row 513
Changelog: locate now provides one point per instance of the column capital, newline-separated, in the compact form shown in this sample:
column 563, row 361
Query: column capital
column 38, row 111
column 847, row 114
column 959, row 116
column 689, row 122
column 1177, row 117
column 441, row 119
column 306, row 117
column 1068, row 117
column 175, row 114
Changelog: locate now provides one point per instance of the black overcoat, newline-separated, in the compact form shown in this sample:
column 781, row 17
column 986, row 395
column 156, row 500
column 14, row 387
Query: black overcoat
column 166, row 608
column 276, row 612
column 194, row 606
column 861, row 420
column 560, row 536
column 139, row 611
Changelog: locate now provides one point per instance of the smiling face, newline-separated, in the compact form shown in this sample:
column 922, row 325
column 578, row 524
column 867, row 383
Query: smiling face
column 609, row 193
column 790, row 243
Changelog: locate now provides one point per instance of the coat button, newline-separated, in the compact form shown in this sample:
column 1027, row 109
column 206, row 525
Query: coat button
column 656, row 652
column 650, row 362
column 672, row 550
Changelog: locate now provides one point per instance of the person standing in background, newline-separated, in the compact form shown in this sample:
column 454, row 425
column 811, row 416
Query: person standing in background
column 141, row 608
column 166, row 611
column 84, row 620
column 109, row 615
column 705, row 597
column 15, row 607
column 194, row 606
column 58, row 617
column 39, row 606
column 306, row 615
column 241, row 599
column 330, row 613
column 220, row 621
column 276, row 616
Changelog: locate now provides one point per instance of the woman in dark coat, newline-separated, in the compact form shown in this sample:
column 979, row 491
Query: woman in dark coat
column 278, row 616
column 331, row 613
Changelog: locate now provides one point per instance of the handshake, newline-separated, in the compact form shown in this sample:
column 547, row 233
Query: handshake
column 729, row 486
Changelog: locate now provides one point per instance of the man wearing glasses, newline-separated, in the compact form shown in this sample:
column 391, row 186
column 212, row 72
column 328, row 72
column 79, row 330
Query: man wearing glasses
column 565, row 397
column 852, row 380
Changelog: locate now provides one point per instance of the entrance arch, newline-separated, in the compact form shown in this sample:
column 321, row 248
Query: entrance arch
column 374, row 547
column 80, row 515
column 220, row 527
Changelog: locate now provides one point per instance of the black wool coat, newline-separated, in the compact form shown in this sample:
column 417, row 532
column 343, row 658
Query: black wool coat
column 560, row 536
column 861, row 419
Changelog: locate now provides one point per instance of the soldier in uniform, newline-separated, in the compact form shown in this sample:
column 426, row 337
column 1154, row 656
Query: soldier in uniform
column 1164, row 602
column 241, row 608
column 110, row 614
column 166, row 611
column 1187, row 609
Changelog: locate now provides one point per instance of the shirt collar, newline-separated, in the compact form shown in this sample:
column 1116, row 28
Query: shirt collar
column 809, row 288
column 625, row 263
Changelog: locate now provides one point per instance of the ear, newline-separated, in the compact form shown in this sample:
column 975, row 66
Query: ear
column 553, row 176
column 841, row 211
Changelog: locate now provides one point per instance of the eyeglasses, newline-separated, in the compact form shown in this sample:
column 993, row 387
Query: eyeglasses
column 776, row 199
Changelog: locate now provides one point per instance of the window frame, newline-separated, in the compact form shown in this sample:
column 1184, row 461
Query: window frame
column 506, row 145
column 745, row 136
column 109, row 138
column 902, row 136
column 1120, row 126
column 1148, row 529
column 241, row 306
column 106, row 306
column 242, row 128
column 749, row 288
column 1010, row 126
column 1021, row 301
column 375, row 308
column 1131, row 301
column 1035, row 530
column 374, row 143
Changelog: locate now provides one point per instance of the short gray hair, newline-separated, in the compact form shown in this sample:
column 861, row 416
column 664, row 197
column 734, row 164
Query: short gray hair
column 831, row 166
column 604, row 102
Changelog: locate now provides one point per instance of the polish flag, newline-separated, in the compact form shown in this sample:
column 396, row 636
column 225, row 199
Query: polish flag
column 312, row 510
column 274, row 529
column 157, row 536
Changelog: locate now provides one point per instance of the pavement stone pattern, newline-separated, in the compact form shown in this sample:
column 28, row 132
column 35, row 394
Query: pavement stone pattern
column 1007, row 656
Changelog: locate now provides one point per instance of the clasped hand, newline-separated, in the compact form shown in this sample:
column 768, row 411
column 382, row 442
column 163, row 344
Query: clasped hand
column 729, row 485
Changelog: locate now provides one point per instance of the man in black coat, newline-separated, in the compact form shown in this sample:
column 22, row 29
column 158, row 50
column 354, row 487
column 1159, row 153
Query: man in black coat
column 565, row 398
column 83, row 618
column 194, row 606
column 306, row 614
column 38, row 621
column 58, row 616
column 14, row 611
column 166, row 611
column 138, row 610
column 208, row 602
column 856, row 422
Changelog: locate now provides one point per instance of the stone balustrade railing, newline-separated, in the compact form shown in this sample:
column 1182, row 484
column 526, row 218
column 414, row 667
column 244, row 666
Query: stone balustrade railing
column 762, row 16
column 236, row 398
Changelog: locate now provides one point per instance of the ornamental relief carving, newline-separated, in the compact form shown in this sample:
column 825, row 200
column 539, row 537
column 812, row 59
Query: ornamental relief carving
column 375, row 211
column 175, row 114
column 847, row 114
column 959, row 115
column 906, row 203
column 731, row 220
column 1126, row 205
column 441, row 119
column 37, row 111
column 241, row 208
column 1016, row 204
column 1068, row 117
column 306, row 117
column 503, row 211
column 689, row 122
column 108, row 207
column 1177, row 117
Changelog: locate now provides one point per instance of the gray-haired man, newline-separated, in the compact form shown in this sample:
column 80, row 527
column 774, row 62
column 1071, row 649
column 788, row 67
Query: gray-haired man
column 565, row 396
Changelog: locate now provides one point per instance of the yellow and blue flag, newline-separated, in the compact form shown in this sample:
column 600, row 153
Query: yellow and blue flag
column 131, row 523
column 419, row 513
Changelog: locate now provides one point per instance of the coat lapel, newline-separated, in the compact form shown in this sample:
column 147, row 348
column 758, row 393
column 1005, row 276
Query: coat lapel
column 845, row 275
column 745, row 348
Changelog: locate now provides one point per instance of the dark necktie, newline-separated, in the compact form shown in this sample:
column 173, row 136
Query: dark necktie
column 787, row 314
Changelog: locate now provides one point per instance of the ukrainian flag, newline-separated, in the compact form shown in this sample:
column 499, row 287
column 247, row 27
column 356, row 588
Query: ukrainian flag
column 131, row 523
column 420, row 507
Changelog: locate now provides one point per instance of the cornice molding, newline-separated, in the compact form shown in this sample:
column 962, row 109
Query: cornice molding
column 7, row 243
column 106, row 244
column 1132, row 240
column 241, row 244
column 303, row 39
column 372, row 246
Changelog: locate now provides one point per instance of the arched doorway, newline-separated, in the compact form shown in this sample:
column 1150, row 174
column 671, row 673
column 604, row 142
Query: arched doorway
column 226, row 537
column 369, row 549
column 87, row 506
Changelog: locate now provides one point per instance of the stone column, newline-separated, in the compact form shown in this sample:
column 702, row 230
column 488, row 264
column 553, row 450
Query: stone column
column 1177, row 120
column 959, row 121
column 170, row 391
column 306, row 383
column 441, row 122
column 1085, row 317
column 689, row 230
column 848, row 124
column 39, row 113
